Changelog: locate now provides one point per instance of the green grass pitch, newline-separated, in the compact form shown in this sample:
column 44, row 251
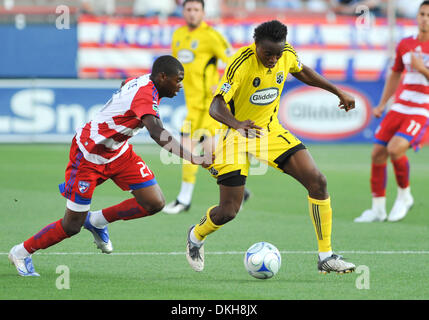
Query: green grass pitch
column 149, row 261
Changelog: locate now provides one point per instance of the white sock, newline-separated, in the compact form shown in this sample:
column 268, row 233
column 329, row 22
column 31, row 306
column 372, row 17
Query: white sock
column 20, row 252
column 403, row 193
column 97, row 219
column 324, row 255
column 194, row 238
column 185, row 194
column 379, row 204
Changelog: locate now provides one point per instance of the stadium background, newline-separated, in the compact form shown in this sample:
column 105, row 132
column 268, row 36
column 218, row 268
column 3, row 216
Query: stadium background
column 54, row 75
column 62, row 60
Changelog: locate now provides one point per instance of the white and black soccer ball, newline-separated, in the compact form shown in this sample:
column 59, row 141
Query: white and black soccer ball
column 262, row 260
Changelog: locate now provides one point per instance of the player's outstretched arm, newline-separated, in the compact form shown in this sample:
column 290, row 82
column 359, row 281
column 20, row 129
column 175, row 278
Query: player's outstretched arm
column 219, row 111
column 392, row 83
column 164, row 139
column 312, row 78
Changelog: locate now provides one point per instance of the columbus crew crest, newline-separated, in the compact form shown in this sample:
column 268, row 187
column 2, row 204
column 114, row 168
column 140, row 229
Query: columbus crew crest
column 279, row 77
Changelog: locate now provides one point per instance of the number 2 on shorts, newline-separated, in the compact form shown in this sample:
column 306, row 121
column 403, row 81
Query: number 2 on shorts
column 143, row 168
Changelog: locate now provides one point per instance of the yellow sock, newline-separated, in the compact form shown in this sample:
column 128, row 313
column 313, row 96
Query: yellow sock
column 205, row 227
column 321, row 215
column 189, row 172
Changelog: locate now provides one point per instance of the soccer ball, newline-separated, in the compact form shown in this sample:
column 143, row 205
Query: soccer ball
column 262, row 260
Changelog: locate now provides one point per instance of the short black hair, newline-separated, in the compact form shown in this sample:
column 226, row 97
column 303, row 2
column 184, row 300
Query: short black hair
column 272, row 30
column 424, row 3
column 200, row 1
column 167, row 64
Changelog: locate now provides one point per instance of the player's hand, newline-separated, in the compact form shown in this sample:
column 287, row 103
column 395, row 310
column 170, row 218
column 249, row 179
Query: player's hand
column 205, row 161
column 378, row 111
column 249, row 129
column 347, row 102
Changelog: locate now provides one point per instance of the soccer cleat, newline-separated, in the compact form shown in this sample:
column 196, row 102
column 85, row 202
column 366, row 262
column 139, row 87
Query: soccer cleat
column 335, row 263
column 175, row 207
column 400, row 208
column 371, row 215
column 24, row 266
column 101, row 236
column 194, row 253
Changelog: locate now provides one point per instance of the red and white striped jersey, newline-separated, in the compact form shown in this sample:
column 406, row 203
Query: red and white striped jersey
column 105, row 138
column 412, row 96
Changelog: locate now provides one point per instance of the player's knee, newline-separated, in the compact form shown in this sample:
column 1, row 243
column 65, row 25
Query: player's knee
column 72, row 229
column 395, row 151
column 379, row 155
column 318, row 185
column 153, row 206
column 229, row 211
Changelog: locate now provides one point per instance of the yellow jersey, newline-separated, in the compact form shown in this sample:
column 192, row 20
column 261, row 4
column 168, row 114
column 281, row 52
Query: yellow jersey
column 199, row 50
column 253, row 91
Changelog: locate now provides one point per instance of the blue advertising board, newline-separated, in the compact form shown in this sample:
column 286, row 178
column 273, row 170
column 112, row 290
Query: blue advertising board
column 51, row 110
column 39, row 50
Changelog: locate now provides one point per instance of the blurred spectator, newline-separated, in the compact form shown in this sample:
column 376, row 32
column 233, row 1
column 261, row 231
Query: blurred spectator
column 150, row 8
column 315, row 5
column 407, row 9
column 285, row 4
column 348, row 7
column 98, row 7
column 212, row 8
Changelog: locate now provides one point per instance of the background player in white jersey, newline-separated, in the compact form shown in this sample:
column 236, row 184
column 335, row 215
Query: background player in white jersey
column 405, row 123
column 100, row 151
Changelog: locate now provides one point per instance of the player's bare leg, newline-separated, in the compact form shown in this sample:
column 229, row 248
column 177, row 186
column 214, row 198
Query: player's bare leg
column 147, row 201
column 302, row 167
column 397, row 148
column 229, row 205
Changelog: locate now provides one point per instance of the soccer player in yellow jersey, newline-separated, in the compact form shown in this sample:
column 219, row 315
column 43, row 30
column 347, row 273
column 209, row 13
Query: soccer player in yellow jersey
column 247, row 103
column 198, row 47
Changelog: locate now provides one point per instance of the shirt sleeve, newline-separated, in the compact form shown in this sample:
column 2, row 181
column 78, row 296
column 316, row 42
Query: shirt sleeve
column 143, row 103
column 174, row 44
column 398, row 64
column 231, row 80
column 222, row 48
column 296, row 65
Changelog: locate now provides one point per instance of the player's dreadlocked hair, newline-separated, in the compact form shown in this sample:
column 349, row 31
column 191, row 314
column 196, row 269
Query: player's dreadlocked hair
column 167, row 64
column 271, row 30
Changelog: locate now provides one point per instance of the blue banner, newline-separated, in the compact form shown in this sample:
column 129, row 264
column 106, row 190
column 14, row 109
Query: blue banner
column 38, row 51
column 51, row 110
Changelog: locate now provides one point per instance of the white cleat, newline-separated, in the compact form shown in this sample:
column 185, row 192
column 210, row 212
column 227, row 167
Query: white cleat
column 335, row 263
column 24, row 266
column 400, row 208
column 371, row 215
column 194, row 254
column 175, row 207
column 101, row 236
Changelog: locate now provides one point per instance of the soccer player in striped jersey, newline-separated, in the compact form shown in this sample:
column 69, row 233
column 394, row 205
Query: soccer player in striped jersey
column 247, row 103
column 100, row 151
column 404, row 125
column 199, row 47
